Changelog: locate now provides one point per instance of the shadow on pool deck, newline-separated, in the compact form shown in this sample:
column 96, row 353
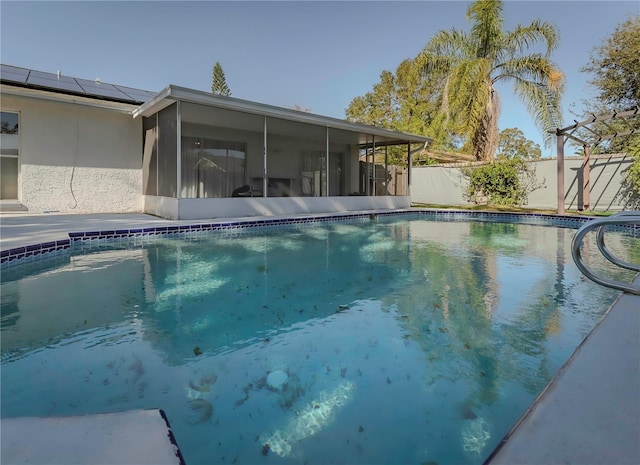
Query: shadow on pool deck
column 589, row 413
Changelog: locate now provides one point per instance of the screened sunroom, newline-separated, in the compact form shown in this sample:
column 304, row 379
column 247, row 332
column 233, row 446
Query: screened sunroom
column 211, row 156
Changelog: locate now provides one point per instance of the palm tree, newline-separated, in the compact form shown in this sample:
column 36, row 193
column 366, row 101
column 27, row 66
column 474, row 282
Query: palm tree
column 470, row 64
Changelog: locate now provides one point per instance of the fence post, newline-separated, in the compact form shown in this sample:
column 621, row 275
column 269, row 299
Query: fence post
column 560, row 171
column 586, row 183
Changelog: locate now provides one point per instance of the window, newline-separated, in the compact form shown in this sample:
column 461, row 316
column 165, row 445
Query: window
column 9, row 142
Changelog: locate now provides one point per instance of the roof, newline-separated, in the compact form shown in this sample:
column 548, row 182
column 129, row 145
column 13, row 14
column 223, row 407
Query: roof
column 150, row 102
column 57, row 82
column 173, row 93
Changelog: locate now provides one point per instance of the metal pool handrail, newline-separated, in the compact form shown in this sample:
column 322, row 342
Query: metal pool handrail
column 619, row 219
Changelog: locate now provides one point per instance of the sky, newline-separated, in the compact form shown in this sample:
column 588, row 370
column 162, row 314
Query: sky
column 317, row 55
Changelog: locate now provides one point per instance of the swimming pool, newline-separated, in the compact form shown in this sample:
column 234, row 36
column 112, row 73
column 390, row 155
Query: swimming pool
column 398, row 340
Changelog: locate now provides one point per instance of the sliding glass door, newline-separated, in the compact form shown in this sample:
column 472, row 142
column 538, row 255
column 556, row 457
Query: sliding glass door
column 211, row 168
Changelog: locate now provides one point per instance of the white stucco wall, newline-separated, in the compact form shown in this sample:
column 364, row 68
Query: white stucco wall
column 76, row 158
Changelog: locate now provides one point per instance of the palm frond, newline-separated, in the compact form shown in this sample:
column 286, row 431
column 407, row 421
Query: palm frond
column 522, row 38
column 468, row 65
column 535, row 67
column 486, row 31
column 543, row 104
column 470, row 92
column 442, row 52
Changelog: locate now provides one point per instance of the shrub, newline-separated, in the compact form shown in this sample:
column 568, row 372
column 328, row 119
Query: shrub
column 501, row 182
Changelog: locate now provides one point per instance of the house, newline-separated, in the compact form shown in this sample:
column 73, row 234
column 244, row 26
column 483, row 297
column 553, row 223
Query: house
column 75, row 145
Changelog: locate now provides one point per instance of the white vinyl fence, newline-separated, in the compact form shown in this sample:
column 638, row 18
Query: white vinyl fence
column 445, row 184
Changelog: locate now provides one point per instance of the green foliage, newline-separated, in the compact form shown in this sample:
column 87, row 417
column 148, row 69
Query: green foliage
column 404, row 101
column 616, row 79
column 630, row 188
column 513, row 144
column 616, row 67
column 469, row 64
column 503, row 182
column 219, row 83
column 447, row 92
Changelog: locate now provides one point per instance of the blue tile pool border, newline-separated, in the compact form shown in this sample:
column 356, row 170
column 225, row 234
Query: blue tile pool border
column 29, row 253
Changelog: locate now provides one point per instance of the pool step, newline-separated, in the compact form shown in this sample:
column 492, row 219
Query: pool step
column 132, row 437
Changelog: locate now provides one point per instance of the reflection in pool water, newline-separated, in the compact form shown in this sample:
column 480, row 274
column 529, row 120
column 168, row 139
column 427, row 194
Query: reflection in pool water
column 394, row 341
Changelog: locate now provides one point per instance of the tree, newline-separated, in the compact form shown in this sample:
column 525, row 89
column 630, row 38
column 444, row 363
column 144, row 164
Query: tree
column 616, row 67
column 401, row 101
column 513, row 144
column 219, row 82
column 472, row 63
column 404, row 101
column 378, row 107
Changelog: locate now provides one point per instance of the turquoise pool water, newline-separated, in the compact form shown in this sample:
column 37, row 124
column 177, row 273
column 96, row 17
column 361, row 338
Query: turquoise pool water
column 355, row 342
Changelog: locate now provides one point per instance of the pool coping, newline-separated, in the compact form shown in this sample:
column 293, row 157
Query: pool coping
column 39, row 250
column 92, row 235
column 590, row 410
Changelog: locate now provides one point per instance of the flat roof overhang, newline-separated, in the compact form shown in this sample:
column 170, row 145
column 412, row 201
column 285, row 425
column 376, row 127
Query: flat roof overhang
column 381, row 137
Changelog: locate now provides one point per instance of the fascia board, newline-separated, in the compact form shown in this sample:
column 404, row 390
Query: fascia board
column 66, row 98
column 172, row 93
column 157, row 103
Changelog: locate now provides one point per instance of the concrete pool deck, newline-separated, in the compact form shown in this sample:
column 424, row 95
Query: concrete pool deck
column 23, row 229
column 133, row 437
column 589, row 413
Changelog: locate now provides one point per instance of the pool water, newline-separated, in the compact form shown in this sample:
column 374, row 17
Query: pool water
column 355, row 342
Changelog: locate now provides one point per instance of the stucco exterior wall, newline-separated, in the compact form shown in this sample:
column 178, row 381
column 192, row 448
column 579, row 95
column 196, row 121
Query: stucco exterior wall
column 444, row 185
column 76, row 158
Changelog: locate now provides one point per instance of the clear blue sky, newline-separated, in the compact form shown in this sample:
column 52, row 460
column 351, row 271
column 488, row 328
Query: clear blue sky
column 315, row 54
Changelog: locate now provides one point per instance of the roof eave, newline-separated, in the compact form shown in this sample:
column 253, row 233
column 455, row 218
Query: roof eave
column 173, row 93
column 45, row 94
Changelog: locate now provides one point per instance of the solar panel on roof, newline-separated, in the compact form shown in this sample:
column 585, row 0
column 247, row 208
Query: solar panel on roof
column 137, row 95
column 14, row 74
column 52, row 81
column 68, row 84
column 100, row 89
column 55, row 84
column 51, row 76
